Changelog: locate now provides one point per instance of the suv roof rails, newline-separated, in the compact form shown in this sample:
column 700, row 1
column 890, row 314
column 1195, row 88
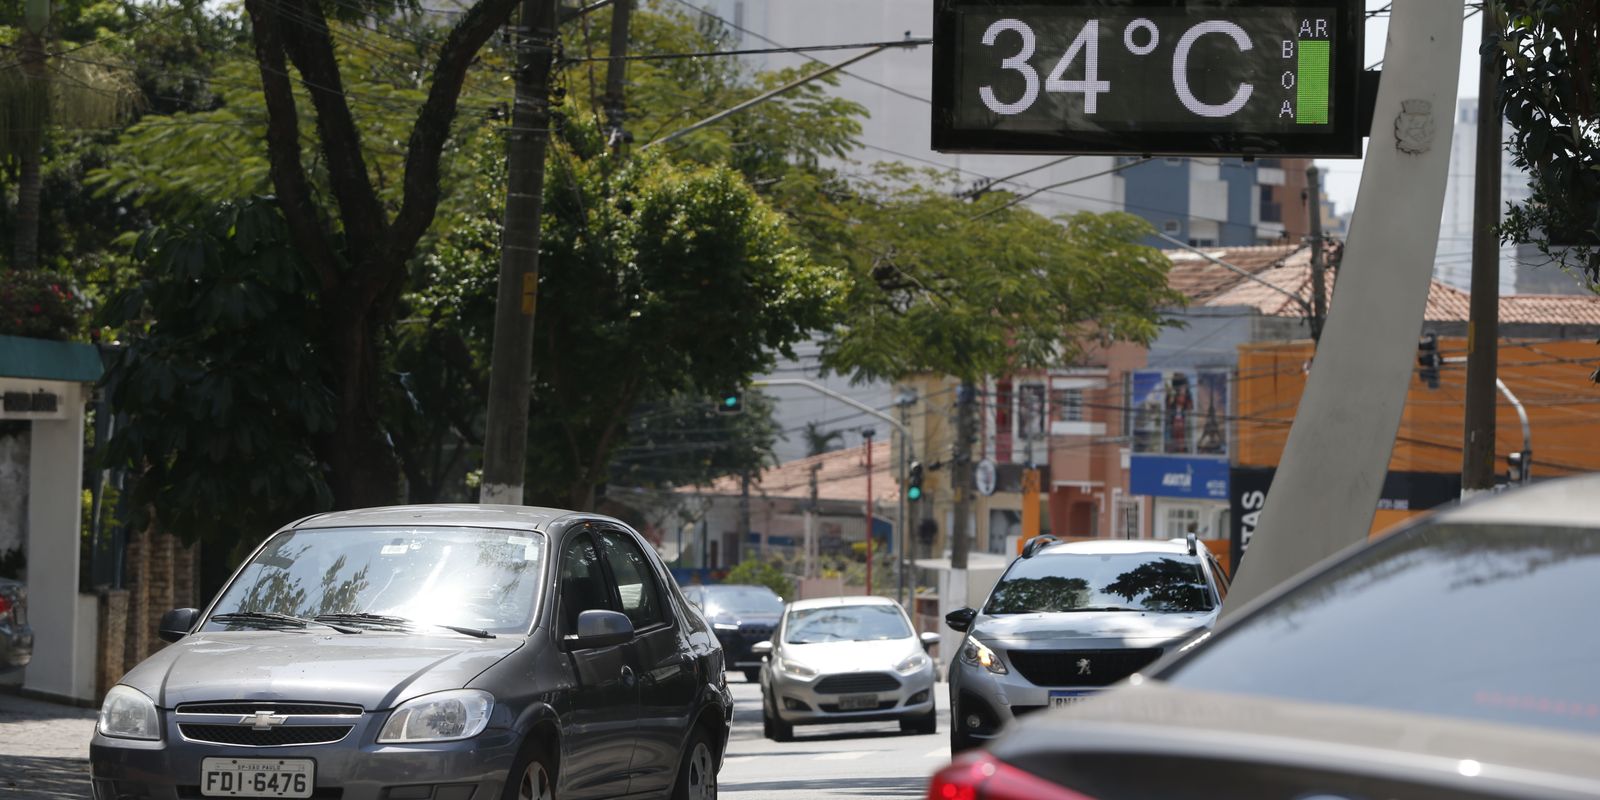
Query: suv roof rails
column 1037, row 543
column 1194, row 544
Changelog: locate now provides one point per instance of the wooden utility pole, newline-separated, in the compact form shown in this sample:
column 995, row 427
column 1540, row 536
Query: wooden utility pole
column 617, row 74
column 1319, row 284
column 961, row 474
column 505, row 438
column 1483, row 313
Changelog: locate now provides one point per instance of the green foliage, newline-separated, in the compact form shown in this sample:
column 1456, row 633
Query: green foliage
column 1551, row 96
column 986, row 288
column 753, row 572
column 682, row 440
column 39, row 305
column 222, row 392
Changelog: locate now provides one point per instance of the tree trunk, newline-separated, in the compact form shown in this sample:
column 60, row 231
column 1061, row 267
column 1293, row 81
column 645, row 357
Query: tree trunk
column 363, row 468
column 30, row 179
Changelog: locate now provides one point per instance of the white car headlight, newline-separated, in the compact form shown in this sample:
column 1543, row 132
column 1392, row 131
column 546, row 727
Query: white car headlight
column 795, row 668
column 439, row 717
column 725, row 626
column 976, row 652
column 128, row 714
column 912, row 663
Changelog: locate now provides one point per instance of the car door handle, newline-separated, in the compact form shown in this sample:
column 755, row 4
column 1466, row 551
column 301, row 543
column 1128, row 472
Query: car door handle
column 627, row 676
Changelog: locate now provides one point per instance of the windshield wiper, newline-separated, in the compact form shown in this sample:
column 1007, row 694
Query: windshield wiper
column 1101, row 608
column 273, row 617
column 401, row 622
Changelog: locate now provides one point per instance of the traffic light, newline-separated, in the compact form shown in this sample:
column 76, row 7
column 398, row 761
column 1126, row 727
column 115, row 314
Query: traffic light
column 732, row 402
column 914, row 481
column 1428, row 358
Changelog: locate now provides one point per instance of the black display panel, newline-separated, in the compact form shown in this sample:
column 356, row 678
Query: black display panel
column 1144, row 77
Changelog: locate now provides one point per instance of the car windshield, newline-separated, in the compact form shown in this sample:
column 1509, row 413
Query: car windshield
column 1488, row 622
column 1109, row 581
column 742, row 600
column 474, row 577
column 863, row 623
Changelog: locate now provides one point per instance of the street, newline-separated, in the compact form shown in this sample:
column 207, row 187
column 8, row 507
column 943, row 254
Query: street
column 46, row 751
column 828, row 761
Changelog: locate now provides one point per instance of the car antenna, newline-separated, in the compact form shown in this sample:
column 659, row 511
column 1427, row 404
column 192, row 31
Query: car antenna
column 1037, row 543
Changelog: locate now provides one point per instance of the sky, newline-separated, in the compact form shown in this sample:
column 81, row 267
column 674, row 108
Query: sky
column 1342, row 177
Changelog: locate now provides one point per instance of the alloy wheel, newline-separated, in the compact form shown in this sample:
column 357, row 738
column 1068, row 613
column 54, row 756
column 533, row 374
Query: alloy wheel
column 702, row 777
column 536, row 784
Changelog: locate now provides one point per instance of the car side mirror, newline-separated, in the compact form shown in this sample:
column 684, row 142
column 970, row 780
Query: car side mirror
column 598, row 628
column 929, row 639
column 961, row 619
column 177, row 623
column 762, row 649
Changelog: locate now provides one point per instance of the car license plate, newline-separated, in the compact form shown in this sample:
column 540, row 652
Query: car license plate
column 858, row 702
column 257, row 777
column 1063, row 699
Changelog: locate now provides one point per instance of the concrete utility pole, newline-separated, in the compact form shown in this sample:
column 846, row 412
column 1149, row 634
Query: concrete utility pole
column 866, row 438
column 1328, row 483
column 1319, row 284
column 961, row 474
column 1483, row 320
column 505, row 439
column 617, row 73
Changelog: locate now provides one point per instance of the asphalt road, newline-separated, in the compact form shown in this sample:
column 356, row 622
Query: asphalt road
column 836, row 762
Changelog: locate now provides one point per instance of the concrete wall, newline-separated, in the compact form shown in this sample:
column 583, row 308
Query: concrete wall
column 63, row 622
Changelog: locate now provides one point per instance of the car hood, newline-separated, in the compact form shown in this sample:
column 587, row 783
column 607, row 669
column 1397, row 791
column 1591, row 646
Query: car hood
column 742, row 618
column 835, row 657
column 1072, row 628
column 375, row 669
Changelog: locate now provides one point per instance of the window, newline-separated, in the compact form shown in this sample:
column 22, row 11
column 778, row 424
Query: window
column 1202, row 242
column 1127, row 406
column 854, row 623
column 1130, row 514
column 1069, row 405
column 1110, row 581
column 583, row 586
column 1003, row 523
column 636, row 581
column 1271, row 209
column 1172, row 227
column 1180, row 521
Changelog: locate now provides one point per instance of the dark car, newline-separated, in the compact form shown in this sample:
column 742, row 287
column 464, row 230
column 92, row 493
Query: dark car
column 16, row 637
column 741, row 615
column 1453, row 658
column 428, row 652
column 1068, row 619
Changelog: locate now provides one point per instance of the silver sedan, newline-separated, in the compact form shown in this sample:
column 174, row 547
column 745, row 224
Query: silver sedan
column 846, row 659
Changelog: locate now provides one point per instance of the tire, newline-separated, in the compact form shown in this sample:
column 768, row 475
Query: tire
column 532, row 775
column 923, row 725
column 773, row 727
column 959, row 742
column 697, row 773
column 752, row 676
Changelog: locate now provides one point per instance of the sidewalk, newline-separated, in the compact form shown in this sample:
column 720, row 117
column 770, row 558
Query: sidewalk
column 44, row 749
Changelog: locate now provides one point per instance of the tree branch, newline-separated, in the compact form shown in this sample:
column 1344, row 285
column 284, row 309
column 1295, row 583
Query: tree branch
column 432, row 129
column 294, row 192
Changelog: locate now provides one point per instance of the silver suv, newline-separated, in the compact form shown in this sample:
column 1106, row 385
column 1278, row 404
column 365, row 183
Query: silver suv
column 1068, row 619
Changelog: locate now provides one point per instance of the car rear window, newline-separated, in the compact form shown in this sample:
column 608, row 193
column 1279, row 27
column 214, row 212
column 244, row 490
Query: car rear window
column 1102, row 582
column 1488, row 622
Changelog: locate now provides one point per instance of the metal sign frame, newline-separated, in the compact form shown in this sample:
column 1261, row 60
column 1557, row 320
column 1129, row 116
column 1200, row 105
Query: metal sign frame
column 1344, row 141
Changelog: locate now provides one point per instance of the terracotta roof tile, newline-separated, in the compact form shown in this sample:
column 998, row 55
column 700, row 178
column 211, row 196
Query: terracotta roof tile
column 841, row 475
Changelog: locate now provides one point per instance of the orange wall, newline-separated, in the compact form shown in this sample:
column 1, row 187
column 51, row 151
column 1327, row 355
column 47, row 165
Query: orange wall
column 1551, row 379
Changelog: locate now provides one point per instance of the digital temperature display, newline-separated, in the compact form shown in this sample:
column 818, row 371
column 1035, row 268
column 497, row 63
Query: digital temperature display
column 1172, row 78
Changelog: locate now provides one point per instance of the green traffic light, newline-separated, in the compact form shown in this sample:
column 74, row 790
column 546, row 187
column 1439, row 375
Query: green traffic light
column 730, row 401
column 914, row 493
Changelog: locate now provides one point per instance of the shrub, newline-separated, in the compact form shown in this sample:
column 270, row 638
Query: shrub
column 39, row 305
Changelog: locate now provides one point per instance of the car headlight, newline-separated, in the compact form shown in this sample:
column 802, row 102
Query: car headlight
column 796, row 668
column 976, row 652
column 128, row 714
column 913, row 662
column 439, row 717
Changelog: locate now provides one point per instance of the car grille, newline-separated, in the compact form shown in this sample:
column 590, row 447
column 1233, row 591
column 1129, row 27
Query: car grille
column 755, row 633
column 246, row 736
column 1080, row 667
column 858, row 683
column 317, row 793
column 247, row 707
column 833, row 708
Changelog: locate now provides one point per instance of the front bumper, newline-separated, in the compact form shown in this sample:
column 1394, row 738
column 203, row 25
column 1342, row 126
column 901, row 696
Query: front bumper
column 355, row 768
column 16, row 646
column 797, row 700
column 736, row 643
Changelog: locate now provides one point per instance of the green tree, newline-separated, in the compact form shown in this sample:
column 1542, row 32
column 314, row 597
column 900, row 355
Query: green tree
column 986, row 288
column 1550, row 93
column 819, row 441
column 753, row 572
column 683, row 441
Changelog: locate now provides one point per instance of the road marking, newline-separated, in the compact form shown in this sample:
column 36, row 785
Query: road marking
column 942, row 752
column 844, row 756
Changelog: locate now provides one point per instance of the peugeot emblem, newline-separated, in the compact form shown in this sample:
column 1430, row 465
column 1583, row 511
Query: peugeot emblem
column 263, row 720
column 1083, row 666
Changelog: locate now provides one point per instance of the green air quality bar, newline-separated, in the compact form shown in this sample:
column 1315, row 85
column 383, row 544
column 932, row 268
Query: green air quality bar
column 1312, row 82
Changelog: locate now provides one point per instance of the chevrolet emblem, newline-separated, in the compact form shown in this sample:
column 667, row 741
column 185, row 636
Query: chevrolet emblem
column 263, row 720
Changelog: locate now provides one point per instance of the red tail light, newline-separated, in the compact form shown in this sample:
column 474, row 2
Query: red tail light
column 5, row 604
column 980, row 776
